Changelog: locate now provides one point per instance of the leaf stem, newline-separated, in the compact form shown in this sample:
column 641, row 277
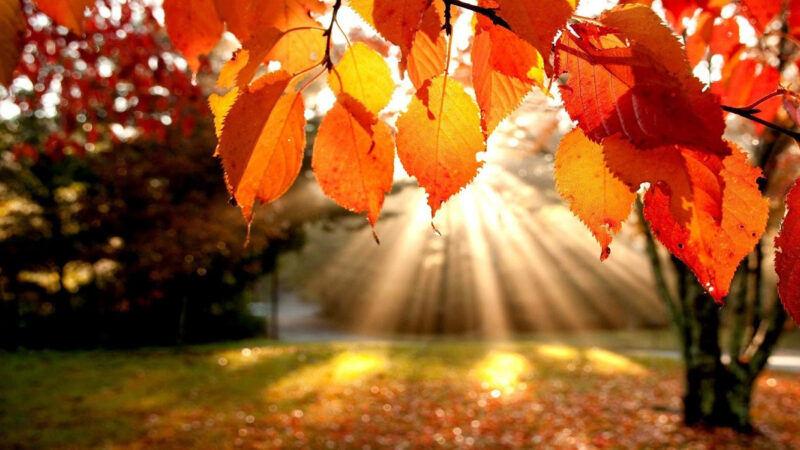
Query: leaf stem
column 489, row 13
column 750, row 115
column 752, row 106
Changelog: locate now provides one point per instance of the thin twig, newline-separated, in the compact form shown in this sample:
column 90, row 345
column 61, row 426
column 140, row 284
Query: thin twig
column 489, row 13
column 752, row 106
column 448, row 17
column 327, row 61
column 749, row 114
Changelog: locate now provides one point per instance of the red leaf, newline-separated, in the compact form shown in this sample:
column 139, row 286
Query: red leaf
column 761, row 12
column 633, row 79
column 706, row 209
column 787, row 255
column 744, row 82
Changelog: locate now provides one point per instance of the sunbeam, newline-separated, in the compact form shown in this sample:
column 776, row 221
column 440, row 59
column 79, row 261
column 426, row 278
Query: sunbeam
column 511, row 257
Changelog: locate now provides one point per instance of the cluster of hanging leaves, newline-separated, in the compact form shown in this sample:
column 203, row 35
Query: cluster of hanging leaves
column 644, row 121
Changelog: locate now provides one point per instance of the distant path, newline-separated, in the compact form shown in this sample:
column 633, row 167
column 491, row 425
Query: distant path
column 783, row 360
column 300, row 321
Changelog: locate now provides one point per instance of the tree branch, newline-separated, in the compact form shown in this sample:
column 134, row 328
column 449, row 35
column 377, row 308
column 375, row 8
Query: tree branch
column 489, row 13
column 750, row 115
column 738, row 310
column 658, row 272
column 326, row 61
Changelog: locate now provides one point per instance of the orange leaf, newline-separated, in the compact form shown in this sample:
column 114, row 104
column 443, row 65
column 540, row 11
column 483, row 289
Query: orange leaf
column 262, row 141
column 636, row 81
column 504, row 69
column 354, row 159
column 595, row 195
column 298, row 49
column 787, row 255
column 537, row 21
column 67, row 13
column 244, row 64
column 426, row 59
column 438, row 139
column 397, row 21
column 428, row 55
column 193, row 27
column 364, row 76
column 12, row 32
column 706, row 209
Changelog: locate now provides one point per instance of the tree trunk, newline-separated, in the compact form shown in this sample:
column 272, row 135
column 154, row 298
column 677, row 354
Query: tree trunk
column 717, row 394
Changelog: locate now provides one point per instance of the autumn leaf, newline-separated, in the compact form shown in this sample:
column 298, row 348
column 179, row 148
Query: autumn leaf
column 745, row 81
column 677, row 10
column 262, row 141
column 67, row 13
column 396, row 21
column 242, row 67
column 299, row 49
column 438, row 139
column 537, row 21
column 428, row 55
column 761, row 12
column 426, row 59
column 220, row 105
column 504, row 69
column 713, row 38
column 636, row 81
column 12, row 31
column 706, row 209
column 787, row 255
column 792, row 106
column 363, row 74
column 353, row 158
column 594, row 194
column 193, row 28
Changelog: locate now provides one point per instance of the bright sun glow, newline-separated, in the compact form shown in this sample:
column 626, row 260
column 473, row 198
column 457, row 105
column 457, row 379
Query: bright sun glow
column 502, row 371
column 612, row 363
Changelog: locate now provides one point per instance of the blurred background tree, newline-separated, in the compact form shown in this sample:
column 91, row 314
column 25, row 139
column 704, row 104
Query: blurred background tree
column 115, row 228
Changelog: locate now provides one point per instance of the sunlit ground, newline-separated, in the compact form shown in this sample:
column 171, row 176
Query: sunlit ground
column 369, row 395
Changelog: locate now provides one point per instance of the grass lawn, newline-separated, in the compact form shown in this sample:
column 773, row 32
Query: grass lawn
column 349, row 395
